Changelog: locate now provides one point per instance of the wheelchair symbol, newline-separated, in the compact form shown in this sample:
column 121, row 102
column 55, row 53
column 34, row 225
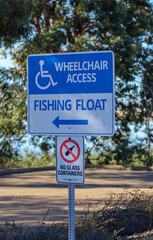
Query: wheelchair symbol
column 44, row 74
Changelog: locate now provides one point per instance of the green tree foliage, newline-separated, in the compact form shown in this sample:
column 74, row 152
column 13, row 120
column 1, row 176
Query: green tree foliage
column 44, row 26
column 146, row 95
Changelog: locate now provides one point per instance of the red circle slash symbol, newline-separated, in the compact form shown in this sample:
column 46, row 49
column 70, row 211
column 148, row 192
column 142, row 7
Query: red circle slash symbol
column 69, row 151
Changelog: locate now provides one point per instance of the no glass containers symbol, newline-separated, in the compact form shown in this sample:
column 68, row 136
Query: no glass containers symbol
column 70, row 151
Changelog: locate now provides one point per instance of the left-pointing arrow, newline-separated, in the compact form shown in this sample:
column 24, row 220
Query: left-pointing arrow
column 58, row 122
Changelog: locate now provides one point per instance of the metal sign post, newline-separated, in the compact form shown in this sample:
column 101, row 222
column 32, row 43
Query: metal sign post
column 71, row 202
column 71, row 94
column 70, row 170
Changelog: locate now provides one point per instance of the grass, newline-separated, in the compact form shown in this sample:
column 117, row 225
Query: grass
column 120, row 216
column 124, row 214
column 30, row 160
column 42, row 159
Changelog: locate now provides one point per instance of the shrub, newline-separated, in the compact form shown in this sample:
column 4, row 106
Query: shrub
column 121, row 215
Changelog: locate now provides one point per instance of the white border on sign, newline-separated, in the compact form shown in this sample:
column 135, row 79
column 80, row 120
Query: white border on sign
column 83, row 161
column 78, row 134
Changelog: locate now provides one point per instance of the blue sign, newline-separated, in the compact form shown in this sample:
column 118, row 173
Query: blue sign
column 71, row 93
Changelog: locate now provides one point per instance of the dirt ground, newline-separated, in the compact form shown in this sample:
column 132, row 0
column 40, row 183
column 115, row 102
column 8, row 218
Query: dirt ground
column 26, row 197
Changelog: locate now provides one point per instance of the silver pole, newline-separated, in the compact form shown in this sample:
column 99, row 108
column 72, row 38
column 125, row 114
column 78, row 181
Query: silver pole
column 71, row 232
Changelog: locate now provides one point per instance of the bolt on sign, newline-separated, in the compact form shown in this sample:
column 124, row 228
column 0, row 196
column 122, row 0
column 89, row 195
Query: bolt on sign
column 70, row 160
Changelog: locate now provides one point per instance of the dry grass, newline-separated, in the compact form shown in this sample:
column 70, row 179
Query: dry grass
column 124, row 216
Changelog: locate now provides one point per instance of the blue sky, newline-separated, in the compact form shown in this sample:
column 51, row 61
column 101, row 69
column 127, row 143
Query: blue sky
column 6, row 61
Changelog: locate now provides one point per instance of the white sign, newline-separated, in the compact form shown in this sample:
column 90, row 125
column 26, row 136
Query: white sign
column 71, row 93
column 70, row 160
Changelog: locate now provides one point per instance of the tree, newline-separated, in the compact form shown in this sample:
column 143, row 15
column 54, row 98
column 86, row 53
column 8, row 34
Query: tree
column 44, row 26
column 146, row 98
